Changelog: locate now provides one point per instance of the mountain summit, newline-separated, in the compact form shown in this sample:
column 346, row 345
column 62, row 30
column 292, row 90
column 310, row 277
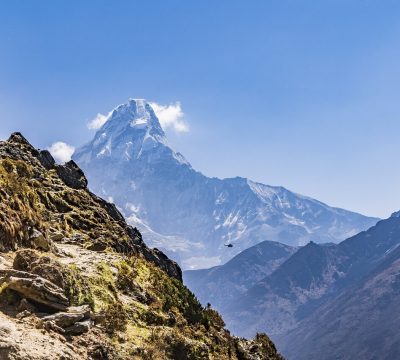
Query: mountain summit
column 130, row 130
column 188, row 215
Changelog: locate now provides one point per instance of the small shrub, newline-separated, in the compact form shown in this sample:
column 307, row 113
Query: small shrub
column 173, row 294
column 152, row 318
column 115, row 318
column 181, row 348
column 23, row 170
column 213, row 318
column 77, row 287
column 8, row 166
column 125, row 277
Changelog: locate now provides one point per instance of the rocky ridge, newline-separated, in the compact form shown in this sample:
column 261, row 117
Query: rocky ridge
column 77, row 282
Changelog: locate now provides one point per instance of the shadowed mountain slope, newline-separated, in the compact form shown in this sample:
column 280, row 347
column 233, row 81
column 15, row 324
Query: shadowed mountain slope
column 225, row 283
column 312, row 288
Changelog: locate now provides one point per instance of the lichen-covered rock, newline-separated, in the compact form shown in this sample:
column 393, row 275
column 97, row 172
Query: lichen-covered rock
column 32, row 261
column 39, row 241
column 64, row 319
column 24, row 259
column 51, row 273
column 35, row 288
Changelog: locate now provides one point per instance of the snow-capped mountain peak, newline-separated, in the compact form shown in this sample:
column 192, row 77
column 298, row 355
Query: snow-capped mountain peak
column 130, row 130
column 130, row 160
column 136, row 114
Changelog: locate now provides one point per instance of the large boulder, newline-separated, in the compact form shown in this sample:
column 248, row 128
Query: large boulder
column 39, row 241
column 24, row 259
column 36, row 288
column 64, row 319
column 32, row 261
column 75, row 321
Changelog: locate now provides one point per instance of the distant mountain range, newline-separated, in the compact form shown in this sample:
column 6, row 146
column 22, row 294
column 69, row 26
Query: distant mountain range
column 324, row 301
column 191, row 216
column 221, row 284
column 362, row 320
column 289, row 271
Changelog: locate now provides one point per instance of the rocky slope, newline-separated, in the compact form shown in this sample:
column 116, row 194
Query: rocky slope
column 360, row 323
column 76, row 282
column 325, row 294
column 221, row 284
column 190, row 215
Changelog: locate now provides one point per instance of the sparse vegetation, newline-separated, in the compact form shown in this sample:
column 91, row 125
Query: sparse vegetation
column 20, row 209
column 144, row 312
column 77, row 287
column 116, row 318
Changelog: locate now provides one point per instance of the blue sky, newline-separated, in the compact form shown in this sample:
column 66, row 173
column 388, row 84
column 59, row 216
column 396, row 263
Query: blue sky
column 303, row 94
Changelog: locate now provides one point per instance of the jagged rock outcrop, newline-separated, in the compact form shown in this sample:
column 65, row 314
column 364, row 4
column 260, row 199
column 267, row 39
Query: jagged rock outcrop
column 72, row 175
column 46, row 159
column 35, row 288
column 75, row 321
column 77, row 282
column 61, row 200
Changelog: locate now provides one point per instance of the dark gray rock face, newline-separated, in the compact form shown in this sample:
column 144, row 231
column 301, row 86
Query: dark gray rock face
column 18, row 138
column 72, row 175
column 111, row 209
column 161, row 260
column 79, row 328
column 46, row 159
column 17, row 147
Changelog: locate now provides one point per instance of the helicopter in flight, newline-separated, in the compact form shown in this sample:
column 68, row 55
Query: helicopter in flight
column 228, row 245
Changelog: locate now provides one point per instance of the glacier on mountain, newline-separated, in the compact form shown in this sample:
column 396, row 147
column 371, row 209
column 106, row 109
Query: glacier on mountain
column 188, row 215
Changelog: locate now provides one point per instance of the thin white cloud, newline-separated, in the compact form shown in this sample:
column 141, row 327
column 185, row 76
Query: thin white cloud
column 97, row 122
column 61, row 151
column 171, row 116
